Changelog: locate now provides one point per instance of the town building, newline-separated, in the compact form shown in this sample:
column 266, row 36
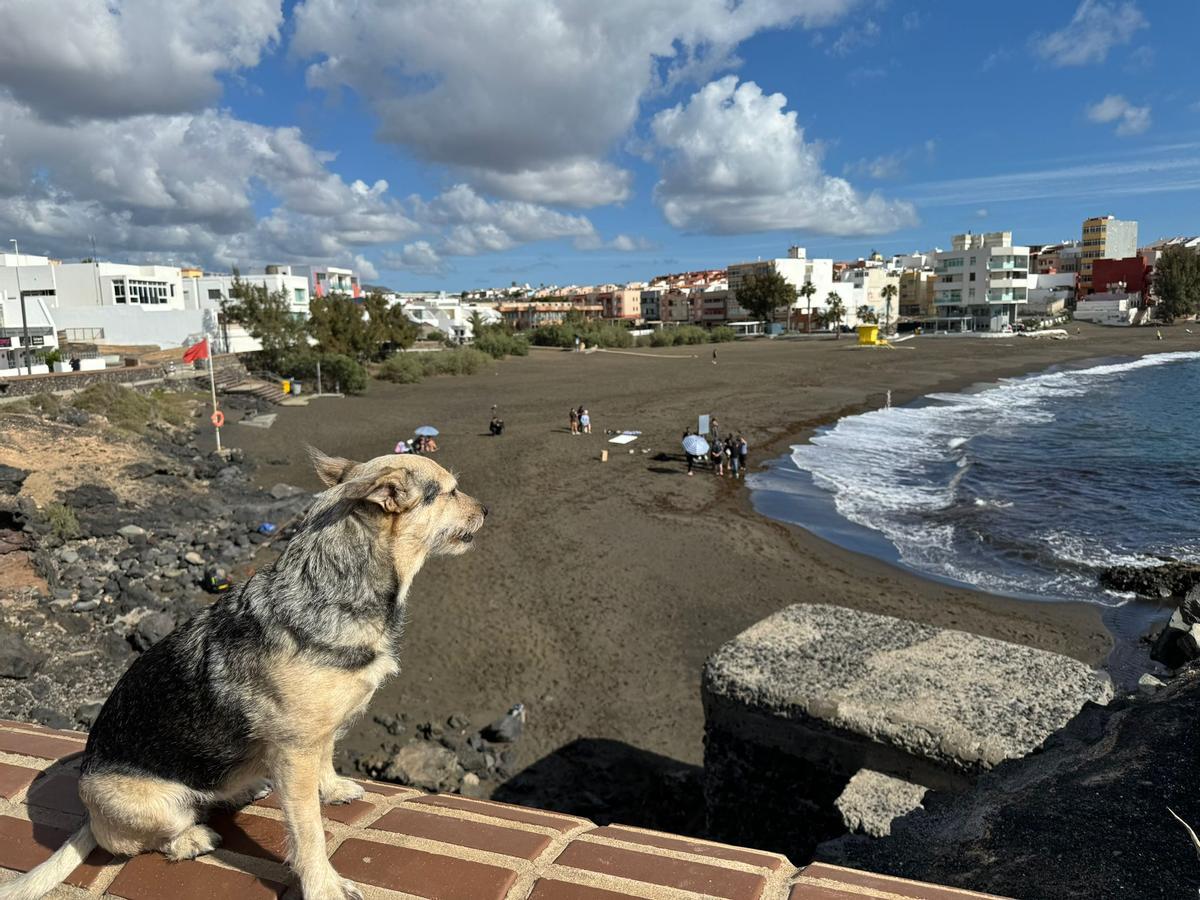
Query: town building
column 1055, row 259
column 115, row 303
column 33, row 322
column 1130, row 275
column 1104, row 237
column 797, row 269
column 326, row 280
column 916, row 293
column 1115, row 307
column 1050, row 294
column 524, row 315
column 450, row 316
column 982, row 282
column 1152, row 251
column 651, row 303
column 862, row 288
column 211, row 291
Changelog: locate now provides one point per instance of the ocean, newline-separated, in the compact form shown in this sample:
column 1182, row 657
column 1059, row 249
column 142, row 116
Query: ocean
column 1027, row 487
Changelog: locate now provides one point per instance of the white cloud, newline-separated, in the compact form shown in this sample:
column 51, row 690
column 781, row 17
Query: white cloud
column 1130, row 119
column 418, row 257
column 67, row 58
column 880, row 168
column 527, row 97
column 622, row 243
column 857, row 36
column 735, row 162
column 186, row 185
column 981, row 213
column 1096, row 27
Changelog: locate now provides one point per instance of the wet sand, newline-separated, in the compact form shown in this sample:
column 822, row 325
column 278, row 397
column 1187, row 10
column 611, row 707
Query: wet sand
column 597, row 590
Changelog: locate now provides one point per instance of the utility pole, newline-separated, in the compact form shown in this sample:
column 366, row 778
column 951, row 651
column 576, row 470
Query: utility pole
column 24, row 320
column 96, row 271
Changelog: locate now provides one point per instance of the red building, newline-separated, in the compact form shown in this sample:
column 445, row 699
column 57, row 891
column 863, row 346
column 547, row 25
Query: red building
column 1132, row 270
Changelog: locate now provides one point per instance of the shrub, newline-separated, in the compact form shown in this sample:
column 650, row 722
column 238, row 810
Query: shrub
column 721, row 334
column 690, row 334
column 410, row 368
column 336, row 369
column 663, row 337
column 498, row 343
column 643, row 340
column 130, row 410
column 594, row 334
column 62, row 520
column 403, row 368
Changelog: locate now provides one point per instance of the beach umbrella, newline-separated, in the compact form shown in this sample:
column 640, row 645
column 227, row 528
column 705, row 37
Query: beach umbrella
column 426, row 431
column 695, row 444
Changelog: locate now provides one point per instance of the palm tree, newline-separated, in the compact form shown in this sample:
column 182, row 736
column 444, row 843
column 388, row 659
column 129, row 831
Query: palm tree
column 806, row 291
column 867, row 314
column 888, row 293
column 835, row 309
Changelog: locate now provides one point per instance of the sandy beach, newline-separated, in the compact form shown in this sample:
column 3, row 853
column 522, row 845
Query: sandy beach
column 597, row 590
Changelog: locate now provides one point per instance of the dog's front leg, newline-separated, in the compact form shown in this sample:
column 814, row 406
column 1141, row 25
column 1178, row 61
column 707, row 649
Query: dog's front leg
column 335, row 788
column 296, row 774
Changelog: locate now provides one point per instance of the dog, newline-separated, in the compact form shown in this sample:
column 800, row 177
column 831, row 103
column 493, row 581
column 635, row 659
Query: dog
column 250, row 694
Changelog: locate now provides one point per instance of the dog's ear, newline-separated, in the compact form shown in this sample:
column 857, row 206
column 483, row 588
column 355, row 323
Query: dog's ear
column 398, row 491
column 330, row 469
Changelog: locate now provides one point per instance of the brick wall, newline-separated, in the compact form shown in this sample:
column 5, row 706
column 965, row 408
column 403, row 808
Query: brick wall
column 398, row 843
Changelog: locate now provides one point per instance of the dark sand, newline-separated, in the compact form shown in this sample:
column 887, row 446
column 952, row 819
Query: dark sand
column 597, row 590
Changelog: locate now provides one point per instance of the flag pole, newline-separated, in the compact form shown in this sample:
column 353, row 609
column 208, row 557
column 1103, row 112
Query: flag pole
column 212, row 383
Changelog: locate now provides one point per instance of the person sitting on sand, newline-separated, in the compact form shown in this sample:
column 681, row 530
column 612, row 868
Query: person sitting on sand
column 496, row 426
column 402, row 447
column 430, row 445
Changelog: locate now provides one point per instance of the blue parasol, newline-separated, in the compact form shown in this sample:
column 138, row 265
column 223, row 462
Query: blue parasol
column 426, row 431
column 695, row 444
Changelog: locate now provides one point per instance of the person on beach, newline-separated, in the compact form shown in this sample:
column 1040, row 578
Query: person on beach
column 574, row 420
column 742, row 451
column 585, row 421
column 735, row 461
column 714, row 430
column 727, row 453
column 496, row 426
column 714, row 356
column 402, row 447
column 716, row 456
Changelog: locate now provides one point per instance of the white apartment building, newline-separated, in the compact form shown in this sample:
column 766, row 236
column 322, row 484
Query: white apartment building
column 863, row 287
column 982, row 282
column 797, row 269
column 35, row 321
column 326, row 280
column 115, row 303
column 449, row 315
column 207, row 291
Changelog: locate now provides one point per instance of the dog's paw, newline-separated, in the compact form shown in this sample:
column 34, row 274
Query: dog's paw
column 340, row 790
column 190, row 843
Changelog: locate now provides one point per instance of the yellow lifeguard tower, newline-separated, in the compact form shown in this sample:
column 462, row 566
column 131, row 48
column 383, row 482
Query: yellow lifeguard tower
column 868, row 336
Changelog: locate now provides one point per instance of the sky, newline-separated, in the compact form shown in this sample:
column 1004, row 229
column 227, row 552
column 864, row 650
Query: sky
column 458, row 144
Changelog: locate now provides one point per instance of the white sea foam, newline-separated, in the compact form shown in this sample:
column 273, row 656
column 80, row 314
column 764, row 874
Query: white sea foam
column 890, row 469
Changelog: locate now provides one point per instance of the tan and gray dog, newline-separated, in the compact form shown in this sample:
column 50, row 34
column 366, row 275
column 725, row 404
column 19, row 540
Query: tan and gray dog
column 259, row 686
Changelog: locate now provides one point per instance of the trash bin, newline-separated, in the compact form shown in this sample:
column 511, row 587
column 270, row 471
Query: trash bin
column 295, row 388
column 286, row 385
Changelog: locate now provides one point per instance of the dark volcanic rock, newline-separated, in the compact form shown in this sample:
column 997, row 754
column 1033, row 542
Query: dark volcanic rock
column 151, row 629
column 11, row 479
column 51, row 718
column 1179, row 641
column 17, row 660
column 1085, row 818
column 1172, row 579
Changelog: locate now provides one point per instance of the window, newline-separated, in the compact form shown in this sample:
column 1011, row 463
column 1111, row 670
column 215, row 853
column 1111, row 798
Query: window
column 214, row 293
column 299, row 296
column 118, row 291
column 972, row 278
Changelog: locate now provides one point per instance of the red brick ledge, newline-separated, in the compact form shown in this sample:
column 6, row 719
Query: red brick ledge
column 399, row 843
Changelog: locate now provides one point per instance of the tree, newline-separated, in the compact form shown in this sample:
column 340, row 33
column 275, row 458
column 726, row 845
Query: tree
column 867, row 314
column 267, row 317
column 475, row 320
column 388, row 328
column 339, row 326
column 1177, row 283
column 761, row 295
column 806, row 291
column 834, row 311
column 889, row 294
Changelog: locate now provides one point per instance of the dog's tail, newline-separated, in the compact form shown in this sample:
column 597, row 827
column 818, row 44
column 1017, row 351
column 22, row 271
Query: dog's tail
column 41, row 880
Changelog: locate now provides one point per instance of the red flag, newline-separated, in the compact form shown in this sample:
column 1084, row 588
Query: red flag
column 196, row 351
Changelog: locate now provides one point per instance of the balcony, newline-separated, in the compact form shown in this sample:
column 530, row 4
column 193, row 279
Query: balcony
column 1012, row 296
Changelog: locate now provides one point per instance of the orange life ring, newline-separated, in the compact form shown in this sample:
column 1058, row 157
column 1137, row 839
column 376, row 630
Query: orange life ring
column 218, row 418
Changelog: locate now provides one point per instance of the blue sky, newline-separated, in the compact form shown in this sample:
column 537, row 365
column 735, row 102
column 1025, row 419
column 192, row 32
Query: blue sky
column 463, row 143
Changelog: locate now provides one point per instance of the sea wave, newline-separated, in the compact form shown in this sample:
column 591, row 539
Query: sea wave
column 909, row 473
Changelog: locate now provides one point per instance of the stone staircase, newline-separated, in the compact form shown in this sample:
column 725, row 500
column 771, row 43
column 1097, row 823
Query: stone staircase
column 233, row 379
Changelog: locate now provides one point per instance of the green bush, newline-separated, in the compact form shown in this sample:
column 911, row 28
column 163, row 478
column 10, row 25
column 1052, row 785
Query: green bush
column 592, row 333
column 337, row 370
column 690, row 334
column 643, row 340
column 663, row 337
column 410, row 368
column 722, row 334
column 130, row 410
column 403, row 368
column 498, row 343
column 62, row 520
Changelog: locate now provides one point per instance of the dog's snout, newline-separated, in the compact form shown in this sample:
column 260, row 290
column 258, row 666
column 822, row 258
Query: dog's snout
column 483, row 509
